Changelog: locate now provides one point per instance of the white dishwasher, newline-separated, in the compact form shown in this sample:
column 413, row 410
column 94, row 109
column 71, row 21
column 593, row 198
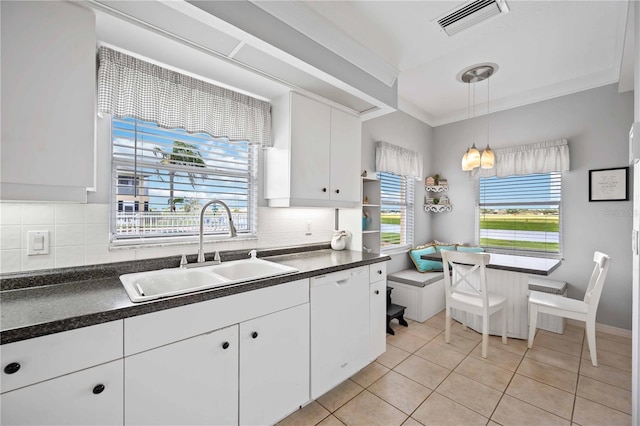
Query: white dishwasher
column 339, row 327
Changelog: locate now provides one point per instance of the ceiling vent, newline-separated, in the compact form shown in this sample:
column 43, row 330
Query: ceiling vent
column 470, row 14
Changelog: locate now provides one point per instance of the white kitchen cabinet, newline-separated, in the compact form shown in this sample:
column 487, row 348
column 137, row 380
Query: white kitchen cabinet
column 48, row 100
column 55, row 379
column 193, row 381
column 377, row 309
column 178, row 371
column 88, row 397
column 274, row 365
column 312, row 161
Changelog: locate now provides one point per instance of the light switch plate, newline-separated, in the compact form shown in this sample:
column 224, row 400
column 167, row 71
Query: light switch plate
column 37, row 243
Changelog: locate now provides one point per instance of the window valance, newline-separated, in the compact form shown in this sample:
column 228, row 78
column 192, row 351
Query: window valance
column 397, row 160
column 130, row 87
column 543, row 157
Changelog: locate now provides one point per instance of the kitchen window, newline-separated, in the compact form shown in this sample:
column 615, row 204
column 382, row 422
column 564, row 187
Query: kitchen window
column 163, row 177
column 178, row 142
column 396, row 211
column 521, row 214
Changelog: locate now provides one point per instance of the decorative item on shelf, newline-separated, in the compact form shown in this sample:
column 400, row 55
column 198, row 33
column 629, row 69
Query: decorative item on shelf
column 366, row 200
column 436, row 200
column 364, row 174
column 442, row 182
column 428, row 200
column 365, row 220
column 437, row 179
column 444, row 200
column 429, row 181
column 473, row 158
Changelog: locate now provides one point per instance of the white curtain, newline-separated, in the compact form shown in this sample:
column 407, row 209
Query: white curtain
column 397, row 160
column 543, row 157
column 130, row 87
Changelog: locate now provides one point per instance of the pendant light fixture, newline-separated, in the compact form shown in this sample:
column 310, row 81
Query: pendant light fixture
column 473, row 158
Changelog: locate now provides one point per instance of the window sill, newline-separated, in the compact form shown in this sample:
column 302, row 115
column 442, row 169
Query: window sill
column 175, row 241
column 396, row 250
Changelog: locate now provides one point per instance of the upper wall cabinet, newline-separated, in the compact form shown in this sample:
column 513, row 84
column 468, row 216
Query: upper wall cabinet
column 315, row 160
column 48, row 100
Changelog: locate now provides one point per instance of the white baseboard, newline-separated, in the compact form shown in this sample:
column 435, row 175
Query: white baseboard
column 616, row 331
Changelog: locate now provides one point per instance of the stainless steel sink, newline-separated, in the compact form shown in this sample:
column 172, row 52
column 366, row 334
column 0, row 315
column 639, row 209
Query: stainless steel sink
column 144, row 286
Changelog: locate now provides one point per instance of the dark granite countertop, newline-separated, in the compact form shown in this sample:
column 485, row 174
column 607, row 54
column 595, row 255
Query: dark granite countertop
column 52, row 301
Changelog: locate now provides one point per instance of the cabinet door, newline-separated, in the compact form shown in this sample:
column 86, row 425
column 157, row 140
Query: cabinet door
column 48, row 111
column 346, row 144
column 310, row 139
column 274, row 365
column 88, row 397
column 378, row 318
column 193, row 381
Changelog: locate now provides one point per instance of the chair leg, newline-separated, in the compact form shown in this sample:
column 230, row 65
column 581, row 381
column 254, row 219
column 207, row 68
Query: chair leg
column 485, row 335
column 533, row 320
column 591, row 341
column 504, row 326
column 447, row 327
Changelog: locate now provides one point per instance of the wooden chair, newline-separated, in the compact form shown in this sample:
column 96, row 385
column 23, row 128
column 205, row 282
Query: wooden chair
column 581, row 310
column 466, row 289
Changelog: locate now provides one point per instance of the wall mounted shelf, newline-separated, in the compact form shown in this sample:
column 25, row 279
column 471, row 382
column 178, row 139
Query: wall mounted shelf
column 437, row 208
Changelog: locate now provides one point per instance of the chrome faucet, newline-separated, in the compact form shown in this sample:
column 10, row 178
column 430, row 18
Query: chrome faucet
column 232, row 228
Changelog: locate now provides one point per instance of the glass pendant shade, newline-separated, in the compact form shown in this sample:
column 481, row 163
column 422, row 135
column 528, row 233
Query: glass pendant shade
column 465, row 162
column 473, row 157
column 487, row 159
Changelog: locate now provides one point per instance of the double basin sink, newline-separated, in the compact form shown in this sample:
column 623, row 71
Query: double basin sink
column 144, row 286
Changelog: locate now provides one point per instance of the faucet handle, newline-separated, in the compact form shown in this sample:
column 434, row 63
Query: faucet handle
column 253, row 253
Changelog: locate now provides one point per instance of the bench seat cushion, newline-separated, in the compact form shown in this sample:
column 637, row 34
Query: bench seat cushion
column 415, row 278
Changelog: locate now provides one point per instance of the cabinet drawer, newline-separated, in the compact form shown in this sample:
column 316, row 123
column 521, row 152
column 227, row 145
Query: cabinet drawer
column 51, row 356
column 163, row 327
column 89, row 397
column 377, row 272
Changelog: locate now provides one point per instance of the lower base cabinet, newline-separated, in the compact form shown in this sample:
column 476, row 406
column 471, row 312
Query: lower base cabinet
column 190, row 382
column 274, row 365
column 87, row 397
column 378, row 318
column 252, row 373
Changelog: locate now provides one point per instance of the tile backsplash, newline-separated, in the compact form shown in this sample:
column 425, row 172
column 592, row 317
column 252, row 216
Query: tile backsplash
column 79, row 234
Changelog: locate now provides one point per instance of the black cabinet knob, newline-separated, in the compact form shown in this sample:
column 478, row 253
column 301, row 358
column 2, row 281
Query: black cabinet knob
column 379, row 271
column 324, row 189
column 97, row 389
column 337, row 191
column 225, row 345
column 377, row 292
column 12, row 368
column 254, row 334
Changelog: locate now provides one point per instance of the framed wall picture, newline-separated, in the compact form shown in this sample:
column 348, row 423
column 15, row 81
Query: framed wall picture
column 609, row 184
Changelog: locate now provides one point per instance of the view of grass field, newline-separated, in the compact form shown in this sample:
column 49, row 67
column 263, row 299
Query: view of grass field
column 520, row 222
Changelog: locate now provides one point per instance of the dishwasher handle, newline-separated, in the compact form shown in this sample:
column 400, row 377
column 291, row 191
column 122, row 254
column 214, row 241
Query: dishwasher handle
column 340, row 277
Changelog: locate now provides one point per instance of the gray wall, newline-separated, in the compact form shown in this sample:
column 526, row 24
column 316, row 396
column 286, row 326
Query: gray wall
column 596, row 122
column 403, row 130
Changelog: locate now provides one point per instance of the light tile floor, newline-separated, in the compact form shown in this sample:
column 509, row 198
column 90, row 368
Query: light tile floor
column 420, row 380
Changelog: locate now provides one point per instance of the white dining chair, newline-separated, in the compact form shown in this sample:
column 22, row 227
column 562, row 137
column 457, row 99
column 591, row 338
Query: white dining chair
column 466, row 290
column 581, row 310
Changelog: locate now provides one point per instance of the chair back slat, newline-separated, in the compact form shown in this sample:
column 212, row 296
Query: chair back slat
column 468, row 275
column 596, row 282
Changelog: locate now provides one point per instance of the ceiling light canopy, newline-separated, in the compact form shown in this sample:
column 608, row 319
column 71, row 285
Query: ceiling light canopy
column 470, row 14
